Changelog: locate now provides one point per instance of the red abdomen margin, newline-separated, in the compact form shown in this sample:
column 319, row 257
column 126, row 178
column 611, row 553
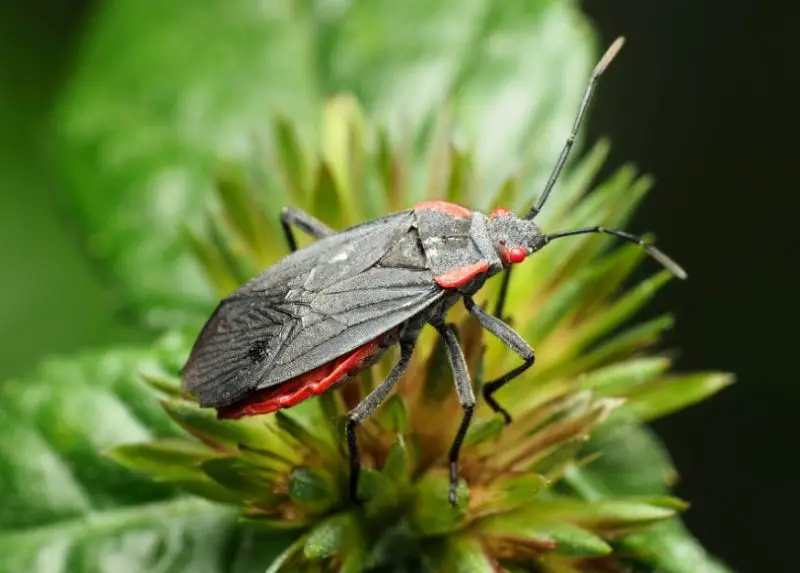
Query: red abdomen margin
column 304, row 386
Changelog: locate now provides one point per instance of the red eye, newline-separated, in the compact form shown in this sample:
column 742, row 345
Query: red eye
column 513, row 255
column 500, row 212
column 503, row 242
column 517, row 254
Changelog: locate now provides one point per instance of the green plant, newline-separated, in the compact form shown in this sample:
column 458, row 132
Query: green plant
column 143, row 147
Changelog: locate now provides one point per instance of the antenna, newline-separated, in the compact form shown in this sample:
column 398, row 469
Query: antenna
column 651, row 250
column 587, row 96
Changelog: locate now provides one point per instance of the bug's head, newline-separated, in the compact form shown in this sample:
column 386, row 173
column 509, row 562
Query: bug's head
column 513, row 238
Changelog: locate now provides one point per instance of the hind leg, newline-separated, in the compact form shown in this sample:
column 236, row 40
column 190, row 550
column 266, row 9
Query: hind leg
column 291, row 217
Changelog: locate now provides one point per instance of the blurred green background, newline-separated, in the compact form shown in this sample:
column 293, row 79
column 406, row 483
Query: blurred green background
column 699, row 98
column 47, row 282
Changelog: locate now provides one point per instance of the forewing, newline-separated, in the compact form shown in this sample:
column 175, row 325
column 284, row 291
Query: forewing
column 273, row 314
column 332, row 258
column 237, row 345
column 350, row 313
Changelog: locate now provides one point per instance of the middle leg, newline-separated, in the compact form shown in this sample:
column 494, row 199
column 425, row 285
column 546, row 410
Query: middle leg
column 511, row 339
column 501, row 296
column 465, row 396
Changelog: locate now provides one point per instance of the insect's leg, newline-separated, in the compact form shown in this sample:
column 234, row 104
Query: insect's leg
column 367, row 407
column 465, row 396
column 501, row 296
column 303, row 221
column 511, row 339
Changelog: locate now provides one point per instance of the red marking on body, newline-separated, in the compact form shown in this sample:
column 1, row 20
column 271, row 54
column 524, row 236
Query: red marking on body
column 500, row 212
column 461, row 275
column 512, row 255
column 302, row 387
column 444, row 207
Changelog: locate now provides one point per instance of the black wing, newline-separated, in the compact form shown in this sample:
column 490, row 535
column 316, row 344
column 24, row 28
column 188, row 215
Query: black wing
column 313, row 306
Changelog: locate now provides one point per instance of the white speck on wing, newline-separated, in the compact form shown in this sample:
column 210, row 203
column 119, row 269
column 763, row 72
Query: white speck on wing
column 340, row 257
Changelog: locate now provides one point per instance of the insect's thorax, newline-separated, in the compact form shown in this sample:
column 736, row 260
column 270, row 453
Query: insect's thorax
column 457, row 248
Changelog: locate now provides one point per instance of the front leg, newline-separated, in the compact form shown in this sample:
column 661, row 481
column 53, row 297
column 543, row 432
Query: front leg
column 367, row 407
column 303, row 221
column 465, row 396
column 511, row 339
column 501, row 296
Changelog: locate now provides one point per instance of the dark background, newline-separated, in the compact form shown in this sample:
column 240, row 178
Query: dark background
column 701, row 97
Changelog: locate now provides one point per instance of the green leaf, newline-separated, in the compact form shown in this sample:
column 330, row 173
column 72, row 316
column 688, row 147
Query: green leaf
column 178, row 535
column 510, row 492
column 68, row 507
column 287, row 557
column 379, row 492
column 250, row 224
column 253, row 550
column 393, row 416
column 672, row 549
column 354, row 557
column 173, row 461
column 144, row 126
column 223, row 434
column 432, row 513
column 667, row 395
column 571, row 540
column 484, row 429
column 163, row 457
column 396, row 544
column 313, row 488
column 305, row 424
column 327, row 538
column 621, row 345
column 607, row 514
column 540, row 534
column 206, row 83
column 631, row 461
column 570, row 297
column 291, row 157
column 620, row 378
column 635, row 463
column 464, row 554
column 397, row 463
column 168, row 385
column 246, row 481
column 622, row 309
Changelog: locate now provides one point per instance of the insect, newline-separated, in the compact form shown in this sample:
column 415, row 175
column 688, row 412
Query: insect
column 325, row 312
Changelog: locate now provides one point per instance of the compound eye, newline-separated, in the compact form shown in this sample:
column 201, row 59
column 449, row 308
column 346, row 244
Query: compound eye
column 500, row 212
column 513, row 255
column 517, row 254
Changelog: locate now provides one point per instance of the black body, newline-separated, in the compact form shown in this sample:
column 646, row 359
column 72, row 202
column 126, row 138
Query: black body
column 334, row 296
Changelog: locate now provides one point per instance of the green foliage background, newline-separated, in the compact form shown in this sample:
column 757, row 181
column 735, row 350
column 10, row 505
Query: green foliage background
column 158, row 95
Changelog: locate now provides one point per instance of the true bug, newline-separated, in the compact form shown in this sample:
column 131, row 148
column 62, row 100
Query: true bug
column 325, row 312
